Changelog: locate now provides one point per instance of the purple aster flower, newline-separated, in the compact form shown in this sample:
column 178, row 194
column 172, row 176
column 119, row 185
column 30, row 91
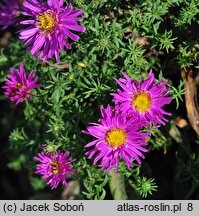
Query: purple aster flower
column 54, row 167
column 18, row 86
column 9, row 13
column 50, row 25
column 116, row 137
column 143, row 100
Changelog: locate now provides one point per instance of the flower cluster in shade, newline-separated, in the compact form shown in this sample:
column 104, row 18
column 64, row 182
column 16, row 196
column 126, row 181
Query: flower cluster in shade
column 54, row 167
column 18, row 87
column 9, row 13
column 50, row 26
column 118, row 135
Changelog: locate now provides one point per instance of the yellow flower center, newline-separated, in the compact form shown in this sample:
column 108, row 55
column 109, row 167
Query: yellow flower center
column 47, row 21
column 55, row 167
column 141, row 101
column 116, row 137
column 18, row 86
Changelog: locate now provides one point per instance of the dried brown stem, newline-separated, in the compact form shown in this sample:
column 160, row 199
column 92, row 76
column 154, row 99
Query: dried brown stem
column 60, row 66
column 191, row 99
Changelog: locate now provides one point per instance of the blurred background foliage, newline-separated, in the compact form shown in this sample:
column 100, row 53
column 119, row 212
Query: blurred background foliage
column 121, row 35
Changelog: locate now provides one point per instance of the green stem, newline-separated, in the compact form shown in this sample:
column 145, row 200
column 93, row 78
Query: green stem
column 117, row 186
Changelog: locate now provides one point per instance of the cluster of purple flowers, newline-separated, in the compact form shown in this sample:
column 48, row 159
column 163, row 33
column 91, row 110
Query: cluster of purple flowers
column 48, row 31
column 118, row 132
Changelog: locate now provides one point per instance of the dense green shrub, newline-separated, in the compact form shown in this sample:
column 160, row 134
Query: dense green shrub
column 131, row 36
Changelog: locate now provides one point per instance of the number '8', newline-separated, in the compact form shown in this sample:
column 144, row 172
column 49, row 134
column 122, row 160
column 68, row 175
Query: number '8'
column 190, row 207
